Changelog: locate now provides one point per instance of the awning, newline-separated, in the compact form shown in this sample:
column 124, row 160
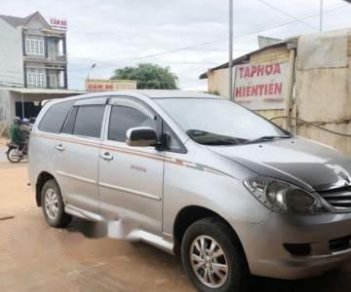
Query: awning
column 43, row 91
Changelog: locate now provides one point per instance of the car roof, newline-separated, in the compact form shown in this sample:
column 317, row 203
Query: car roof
column 141, row 94
column 175, row 94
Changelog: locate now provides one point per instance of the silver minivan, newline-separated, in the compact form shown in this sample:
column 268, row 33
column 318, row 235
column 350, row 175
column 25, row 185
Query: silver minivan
column 198, row 176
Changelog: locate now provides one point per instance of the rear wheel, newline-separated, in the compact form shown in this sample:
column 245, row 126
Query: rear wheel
column 13, row 155
column 53, row 206
column 212, row 257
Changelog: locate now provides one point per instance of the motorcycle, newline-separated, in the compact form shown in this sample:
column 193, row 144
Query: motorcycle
column 14, row 154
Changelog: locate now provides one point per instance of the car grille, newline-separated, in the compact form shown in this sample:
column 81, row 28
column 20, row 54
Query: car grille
column 338, row 198
column 340, row 244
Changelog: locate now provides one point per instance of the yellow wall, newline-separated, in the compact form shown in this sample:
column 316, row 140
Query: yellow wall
column 270, row 56
column 218, row 82
column 218, row 79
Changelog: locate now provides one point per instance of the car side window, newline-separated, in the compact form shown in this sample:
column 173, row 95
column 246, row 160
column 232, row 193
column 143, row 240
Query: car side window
column 88, row 121
column 69, row 123
column 54, row 118
column 122, row 118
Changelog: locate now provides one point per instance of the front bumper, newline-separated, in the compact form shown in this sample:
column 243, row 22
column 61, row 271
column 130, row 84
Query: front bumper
column 327, row 235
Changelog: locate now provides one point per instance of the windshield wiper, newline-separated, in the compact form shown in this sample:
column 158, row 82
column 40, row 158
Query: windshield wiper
column 208, row 138
column 266, row 138
column 221, row 141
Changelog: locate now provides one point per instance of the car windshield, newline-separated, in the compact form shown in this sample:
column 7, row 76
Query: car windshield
column 211, row 121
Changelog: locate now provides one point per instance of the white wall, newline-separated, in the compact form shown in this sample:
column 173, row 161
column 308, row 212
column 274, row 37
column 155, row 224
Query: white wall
column 5, row 110
column 323, row 92
column 11, row 55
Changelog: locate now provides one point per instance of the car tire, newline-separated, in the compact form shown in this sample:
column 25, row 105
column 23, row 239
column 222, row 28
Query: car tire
column 225, row 264
column 53, row 206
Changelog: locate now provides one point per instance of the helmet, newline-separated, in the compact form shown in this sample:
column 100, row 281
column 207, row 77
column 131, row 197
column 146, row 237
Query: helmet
column 25, row 121
column 17, row 120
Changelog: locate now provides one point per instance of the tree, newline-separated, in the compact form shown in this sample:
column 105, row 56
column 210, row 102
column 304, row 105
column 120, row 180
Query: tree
column 148, row 76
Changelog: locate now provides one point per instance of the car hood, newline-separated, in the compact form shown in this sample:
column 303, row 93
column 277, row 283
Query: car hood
column 297, row 160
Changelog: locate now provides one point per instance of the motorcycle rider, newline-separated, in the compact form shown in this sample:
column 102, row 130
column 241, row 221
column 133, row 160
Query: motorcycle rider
column 18, row 134
column 26, row 127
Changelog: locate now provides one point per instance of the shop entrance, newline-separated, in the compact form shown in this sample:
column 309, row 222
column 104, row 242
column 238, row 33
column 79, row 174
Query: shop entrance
column 31, row 109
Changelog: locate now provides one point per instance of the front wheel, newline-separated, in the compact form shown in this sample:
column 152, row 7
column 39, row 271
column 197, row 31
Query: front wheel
column 213, row 258
column 14, row 155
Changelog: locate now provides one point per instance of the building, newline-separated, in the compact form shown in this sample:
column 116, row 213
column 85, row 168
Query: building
column 300, row 83
column 250, row 64
column 14, row 101
column 33, row 65
column 32, row 53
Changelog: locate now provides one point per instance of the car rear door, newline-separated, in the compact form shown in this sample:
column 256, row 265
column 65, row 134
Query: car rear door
column 77, row 154
column 131, row 178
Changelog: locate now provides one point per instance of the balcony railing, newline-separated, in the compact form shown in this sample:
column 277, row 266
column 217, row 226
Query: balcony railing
column 46, row 59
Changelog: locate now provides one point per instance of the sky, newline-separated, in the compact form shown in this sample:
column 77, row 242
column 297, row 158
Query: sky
column 189, row 36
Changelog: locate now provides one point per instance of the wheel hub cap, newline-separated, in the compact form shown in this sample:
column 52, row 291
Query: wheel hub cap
column 208, row 261
column 51, row 203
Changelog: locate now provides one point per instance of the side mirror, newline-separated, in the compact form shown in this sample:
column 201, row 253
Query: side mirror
column 141, row 137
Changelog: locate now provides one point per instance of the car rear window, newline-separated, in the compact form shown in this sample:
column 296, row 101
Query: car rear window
column 55, row 116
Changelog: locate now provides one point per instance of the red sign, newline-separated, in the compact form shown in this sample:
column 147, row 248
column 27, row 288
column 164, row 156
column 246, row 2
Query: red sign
column 93, row 85
column 260, row 86
column 99, row 87
column 58, row 23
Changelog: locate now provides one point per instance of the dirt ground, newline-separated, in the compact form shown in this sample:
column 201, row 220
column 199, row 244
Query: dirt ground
column 35, row 257
column 3, row 141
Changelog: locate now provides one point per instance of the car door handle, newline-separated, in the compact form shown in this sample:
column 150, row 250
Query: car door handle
column 106, row 156
column 60, row 147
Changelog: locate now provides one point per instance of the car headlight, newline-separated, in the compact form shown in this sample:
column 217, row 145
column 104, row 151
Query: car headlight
column 284, row 197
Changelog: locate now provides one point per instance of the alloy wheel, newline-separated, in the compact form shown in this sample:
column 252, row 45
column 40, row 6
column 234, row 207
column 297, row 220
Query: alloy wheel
column 208, row 261
column 51, row 203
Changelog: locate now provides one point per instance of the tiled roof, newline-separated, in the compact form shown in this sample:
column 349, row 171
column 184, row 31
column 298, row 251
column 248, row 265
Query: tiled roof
column 15, row 21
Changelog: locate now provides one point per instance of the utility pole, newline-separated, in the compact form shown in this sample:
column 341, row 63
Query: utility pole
column 321, row 16
column 230, row 63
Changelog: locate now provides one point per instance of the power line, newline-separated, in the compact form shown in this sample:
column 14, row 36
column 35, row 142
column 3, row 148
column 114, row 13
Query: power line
column 113, row 64
column 286, row 13
column 152, row 55
column 293, row 21
column 314, row 124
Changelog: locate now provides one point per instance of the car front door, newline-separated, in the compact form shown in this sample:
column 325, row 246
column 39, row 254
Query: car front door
column 130, row 178
column 77, row 154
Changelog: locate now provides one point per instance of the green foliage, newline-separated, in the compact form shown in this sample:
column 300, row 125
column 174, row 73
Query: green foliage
column 215, row 92
column 148, row 76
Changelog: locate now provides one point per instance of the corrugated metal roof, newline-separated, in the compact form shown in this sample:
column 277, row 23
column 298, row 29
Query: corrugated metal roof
column 245, row 58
